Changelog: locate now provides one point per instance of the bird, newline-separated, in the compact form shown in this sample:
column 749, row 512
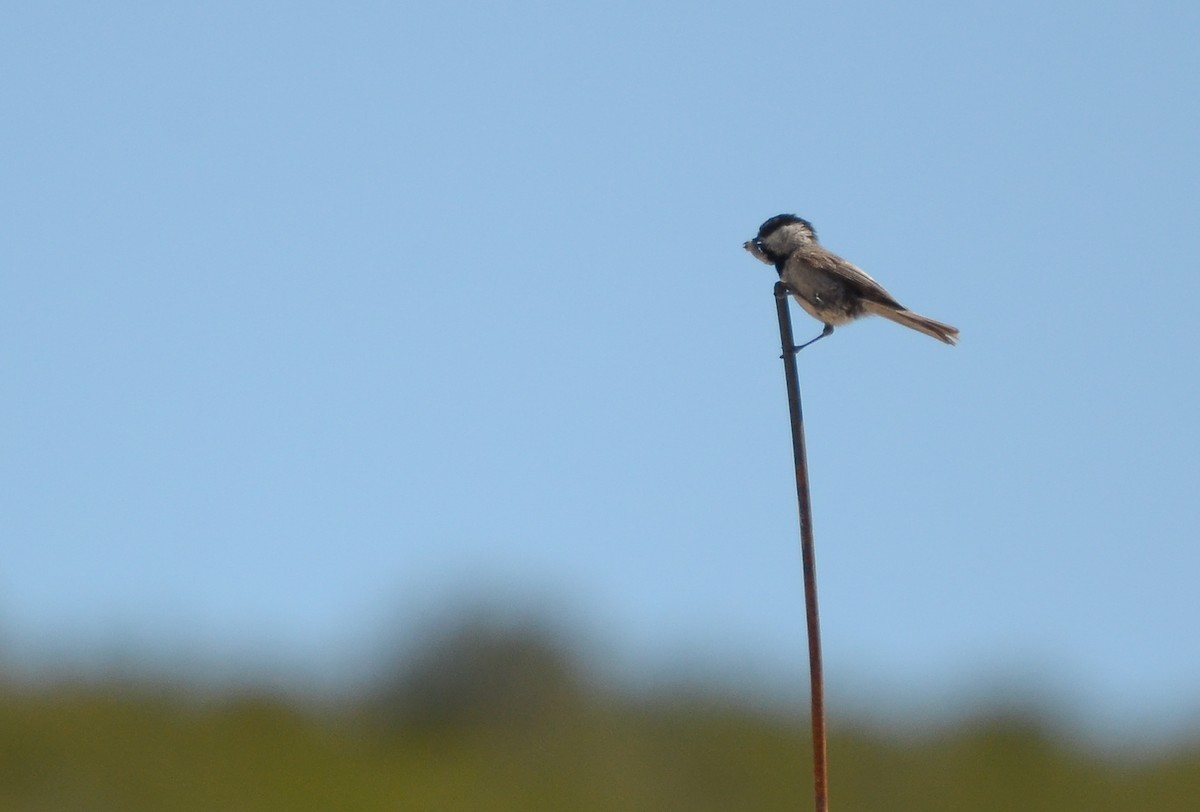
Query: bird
column 829, row 288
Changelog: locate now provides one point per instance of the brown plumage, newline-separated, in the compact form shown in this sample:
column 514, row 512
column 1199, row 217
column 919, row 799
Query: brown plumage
column 829, row 288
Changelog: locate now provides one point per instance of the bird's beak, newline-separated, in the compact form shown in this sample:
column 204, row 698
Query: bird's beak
column 753, row 247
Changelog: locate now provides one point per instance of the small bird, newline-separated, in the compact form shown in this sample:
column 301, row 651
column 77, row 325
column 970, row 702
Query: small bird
column 828, row 287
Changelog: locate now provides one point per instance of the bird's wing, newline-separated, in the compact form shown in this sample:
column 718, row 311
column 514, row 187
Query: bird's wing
column 855, row 276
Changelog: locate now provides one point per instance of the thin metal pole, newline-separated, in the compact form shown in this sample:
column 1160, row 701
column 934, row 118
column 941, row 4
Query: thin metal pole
column 816, row 680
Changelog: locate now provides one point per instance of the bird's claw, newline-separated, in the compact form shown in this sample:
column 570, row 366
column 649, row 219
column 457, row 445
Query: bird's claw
column 826, row 332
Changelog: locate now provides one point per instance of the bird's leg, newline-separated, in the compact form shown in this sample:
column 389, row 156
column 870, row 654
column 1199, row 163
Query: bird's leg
column 828, row 331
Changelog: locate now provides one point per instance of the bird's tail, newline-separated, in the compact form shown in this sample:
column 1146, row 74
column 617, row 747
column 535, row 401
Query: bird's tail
column 924, row 324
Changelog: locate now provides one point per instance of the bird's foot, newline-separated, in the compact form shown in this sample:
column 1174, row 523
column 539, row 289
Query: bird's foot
column 828, row 331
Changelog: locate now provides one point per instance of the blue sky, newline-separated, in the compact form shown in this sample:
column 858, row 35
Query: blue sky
column 316, row 319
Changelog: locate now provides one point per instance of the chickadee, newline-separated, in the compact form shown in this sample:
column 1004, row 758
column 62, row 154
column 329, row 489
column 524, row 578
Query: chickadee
column 828, row 287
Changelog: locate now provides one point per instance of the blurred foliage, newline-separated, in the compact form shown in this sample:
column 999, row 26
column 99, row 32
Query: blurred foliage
column 489, row 719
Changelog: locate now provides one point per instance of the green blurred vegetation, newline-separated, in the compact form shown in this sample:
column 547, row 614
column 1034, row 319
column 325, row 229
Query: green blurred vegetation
column 488, row 719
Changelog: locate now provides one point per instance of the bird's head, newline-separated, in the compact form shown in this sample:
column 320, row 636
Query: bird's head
column 779, row 237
